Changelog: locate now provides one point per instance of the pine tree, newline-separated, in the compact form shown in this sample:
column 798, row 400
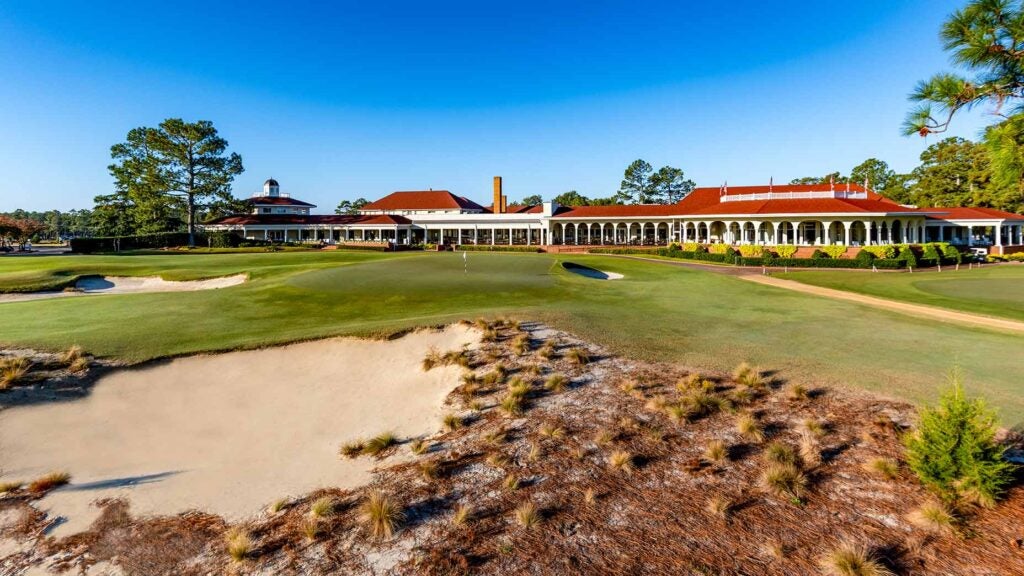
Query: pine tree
column 954, row 451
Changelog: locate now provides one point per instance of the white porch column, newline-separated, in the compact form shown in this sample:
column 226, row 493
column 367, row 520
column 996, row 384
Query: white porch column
column 999, row 233
column 847, row 231
column 527, row 234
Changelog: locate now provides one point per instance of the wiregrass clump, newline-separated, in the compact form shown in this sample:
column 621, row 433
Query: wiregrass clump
column 622, row 461
column 933, row 517
column 749, row 428
column 716, row 452
column 49, row 482
column 783, row 480
column 555, row 383
column 850, row 559
column 380, row 443
column 527, row 515
column 578, row 355
column 239, row 544
column 380, row 514
column 13, row 370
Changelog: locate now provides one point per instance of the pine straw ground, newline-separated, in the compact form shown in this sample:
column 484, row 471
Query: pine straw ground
column 653, row 519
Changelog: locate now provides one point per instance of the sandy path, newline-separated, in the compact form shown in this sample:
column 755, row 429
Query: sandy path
column 920, row 310
column 92, row 285
column 229, row 433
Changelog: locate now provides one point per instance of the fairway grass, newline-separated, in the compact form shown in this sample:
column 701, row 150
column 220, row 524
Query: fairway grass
column 994, row 290
column 658, row 313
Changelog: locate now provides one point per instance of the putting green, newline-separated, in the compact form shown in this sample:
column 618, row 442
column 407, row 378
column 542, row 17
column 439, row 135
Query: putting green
column 662, row 313
column 1008, row 292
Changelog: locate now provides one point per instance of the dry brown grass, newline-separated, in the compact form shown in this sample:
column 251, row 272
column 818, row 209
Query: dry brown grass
column 11, row 486
column 779, row 453
column 719, row 505
column 432, row 359
column 589, row 496
column 352, row 448
column 380, row 514
column 747, row 375
column 749, row 428
column 419, row 446
column 783, row 480
column 13, row 370
column 511, row 483
column 809, row 449
column 716, row 452
column 379, row 444
column 239, row 544
column 310, row 528
column 521, row 344
column 429, row 470
column 797, row 392
column 462, row 515
column 933, row 516
column 621, row 460
column 883, row 468
column 555, row 383
column 512, row 405
column 527, row 515
column 451, row 422
column 578, row 355
column 49, row 482
column 549, row 430
column 322, row 507
column 497, row 460
column 850, row 559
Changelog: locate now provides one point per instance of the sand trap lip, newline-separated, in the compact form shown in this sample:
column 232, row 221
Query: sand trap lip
column 230, row 433
column 94, row 285
column 589, row 272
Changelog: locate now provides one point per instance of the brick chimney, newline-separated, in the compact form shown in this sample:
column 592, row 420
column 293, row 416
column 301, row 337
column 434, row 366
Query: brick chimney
column 499, row 199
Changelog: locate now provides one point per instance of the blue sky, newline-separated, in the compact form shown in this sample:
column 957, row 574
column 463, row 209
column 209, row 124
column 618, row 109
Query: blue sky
column 342, row 100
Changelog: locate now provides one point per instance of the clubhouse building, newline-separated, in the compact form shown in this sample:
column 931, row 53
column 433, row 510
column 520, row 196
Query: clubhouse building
column 802, row 215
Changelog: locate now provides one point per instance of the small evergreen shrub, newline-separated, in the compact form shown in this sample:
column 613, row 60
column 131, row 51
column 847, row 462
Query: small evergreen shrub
column 785, row 250
column 954, row 452
column 818, row 254
column 834, row 251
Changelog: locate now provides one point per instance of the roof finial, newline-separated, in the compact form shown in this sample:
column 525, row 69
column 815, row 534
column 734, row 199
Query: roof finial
column 771, row 183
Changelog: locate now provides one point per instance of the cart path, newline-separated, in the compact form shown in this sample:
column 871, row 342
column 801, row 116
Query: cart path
column 918, row 310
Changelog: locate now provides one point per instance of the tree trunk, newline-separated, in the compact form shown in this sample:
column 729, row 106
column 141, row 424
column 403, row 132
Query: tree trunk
column 191, row 221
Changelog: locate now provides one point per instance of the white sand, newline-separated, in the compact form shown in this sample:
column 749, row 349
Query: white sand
column 229, row 433
column 91, row 285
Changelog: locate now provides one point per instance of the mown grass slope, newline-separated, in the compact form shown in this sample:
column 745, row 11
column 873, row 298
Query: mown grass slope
column 658, row 313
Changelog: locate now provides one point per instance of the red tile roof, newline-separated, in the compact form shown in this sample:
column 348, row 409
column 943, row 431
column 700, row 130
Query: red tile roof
column 423, row 200
column 301, row 219
column 277, row 201
column 971, row 214
column 518, row 209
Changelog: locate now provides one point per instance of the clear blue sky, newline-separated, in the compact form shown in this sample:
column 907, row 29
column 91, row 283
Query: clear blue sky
column 363, row 98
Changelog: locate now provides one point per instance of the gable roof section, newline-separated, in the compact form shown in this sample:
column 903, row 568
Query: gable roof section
column 302, row 219
column 423, row 200
column 972, row 214
column 277, row 201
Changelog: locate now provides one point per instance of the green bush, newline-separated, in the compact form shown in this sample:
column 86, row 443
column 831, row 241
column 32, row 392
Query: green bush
column 785, row 250
column 865, row 257
column 930, row 252
column 818, row 254
column 953, row 451
column 883, row 251
column 906, row 255
column 835, row 250
column 497, row 248
column 951, row 254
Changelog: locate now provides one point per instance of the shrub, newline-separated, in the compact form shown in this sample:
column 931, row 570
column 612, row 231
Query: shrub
column 750, row 250
column 951, row 253
column 429, row 470
column 785, row 250
column 953, row 451
column 239, row 544
column 865, row 257
column 380, row 514
column 51, row 481
column 834, row 251
column 418, row 446
column 881, row 251
column 818, row 254
column 852, row 560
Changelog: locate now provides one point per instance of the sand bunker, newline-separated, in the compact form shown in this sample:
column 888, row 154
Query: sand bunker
column 591, row 272
column 90, row 285
column 229, row 433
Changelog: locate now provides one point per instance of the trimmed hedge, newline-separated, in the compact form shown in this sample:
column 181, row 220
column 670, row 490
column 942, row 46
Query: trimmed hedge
column 733, row 257
column 497, row 248
column 116, row 243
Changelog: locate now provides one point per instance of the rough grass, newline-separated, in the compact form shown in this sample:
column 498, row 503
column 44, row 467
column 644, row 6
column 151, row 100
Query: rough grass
column 852, row 560
column 381, row 514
